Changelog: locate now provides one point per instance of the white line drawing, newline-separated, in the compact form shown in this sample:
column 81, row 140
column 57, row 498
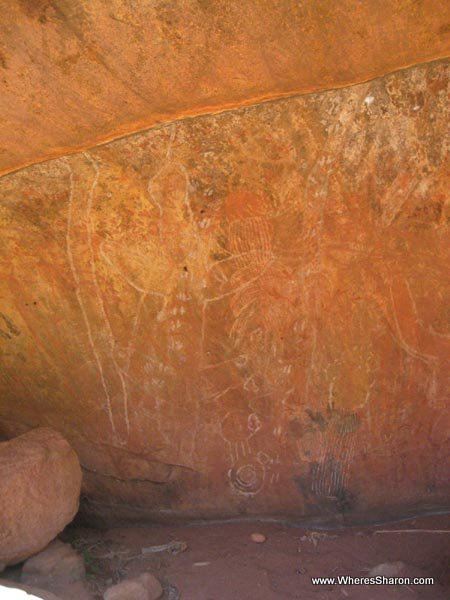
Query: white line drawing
column 69, row 244
column 250, row 470
column 107, row 324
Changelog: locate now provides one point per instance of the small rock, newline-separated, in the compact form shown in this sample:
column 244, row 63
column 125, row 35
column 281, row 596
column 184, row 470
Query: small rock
column 126, row 590
column 59, row 569
column 144, row 587
column 392, row 569
column 401, row 569
column 258, row 538
column 59, row 563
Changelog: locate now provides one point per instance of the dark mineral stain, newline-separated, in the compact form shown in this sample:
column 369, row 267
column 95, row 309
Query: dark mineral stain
column 323, row 490
column 444, row 29
column 317, row 418
column 345, row 500
column 35, row 8
column 303, row 484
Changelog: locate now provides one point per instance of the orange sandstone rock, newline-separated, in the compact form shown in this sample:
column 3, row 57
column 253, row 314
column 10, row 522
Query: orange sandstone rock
column 40, row 481
column 241, row 313
column 74, row 74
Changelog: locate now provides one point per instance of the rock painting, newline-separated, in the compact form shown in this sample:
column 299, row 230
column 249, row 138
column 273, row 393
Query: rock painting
column 244, row 312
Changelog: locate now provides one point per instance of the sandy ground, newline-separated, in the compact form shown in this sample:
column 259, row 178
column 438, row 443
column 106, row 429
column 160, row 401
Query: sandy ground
column 221, row 562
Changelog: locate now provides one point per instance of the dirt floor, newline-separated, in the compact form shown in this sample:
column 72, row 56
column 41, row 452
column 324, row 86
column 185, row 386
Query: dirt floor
column 221, row 562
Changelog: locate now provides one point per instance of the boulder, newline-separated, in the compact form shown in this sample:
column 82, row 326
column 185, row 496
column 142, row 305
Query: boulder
column 40, row 482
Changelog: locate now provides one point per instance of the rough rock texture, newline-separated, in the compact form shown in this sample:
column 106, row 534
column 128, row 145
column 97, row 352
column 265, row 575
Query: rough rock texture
column 144, row 587
column 58, row 561
column 58, row 568
column 76, row 72
column 40, row 481
column 244, row 313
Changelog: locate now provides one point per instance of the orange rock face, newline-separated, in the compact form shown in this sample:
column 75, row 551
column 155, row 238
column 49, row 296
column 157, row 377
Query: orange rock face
column 40, row 482
column 244, row 313
column 77, row 72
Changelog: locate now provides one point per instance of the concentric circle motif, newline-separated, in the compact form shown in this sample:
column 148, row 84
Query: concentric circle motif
column 247, row 476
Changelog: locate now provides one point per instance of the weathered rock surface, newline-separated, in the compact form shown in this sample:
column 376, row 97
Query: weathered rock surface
column 40, row 481
column 73, row 73
column 144, row 587
column 58, row 564
column 244, row 313
column 58, row 569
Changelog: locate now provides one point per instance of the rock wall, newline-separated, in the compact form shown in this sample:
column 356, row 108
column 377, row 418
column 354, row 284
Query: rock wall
column 74, row 73
column 243, row 313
